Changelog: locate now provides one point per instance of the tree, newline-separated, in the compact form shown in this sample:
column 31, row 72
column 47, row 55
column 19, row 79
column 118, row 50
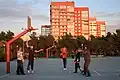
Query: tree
column 9, row 35
column 116, row 37
column 2, row 36
column 81, row 40
column 49, row 40
column 2, row 53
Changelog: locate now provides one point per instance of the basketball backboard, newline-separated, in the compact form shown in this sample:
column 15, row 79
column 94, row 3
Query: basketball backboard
column 28, row 22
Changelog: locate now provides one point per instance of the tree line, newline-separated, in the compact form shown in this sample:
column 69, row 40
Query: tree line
column 108, row 45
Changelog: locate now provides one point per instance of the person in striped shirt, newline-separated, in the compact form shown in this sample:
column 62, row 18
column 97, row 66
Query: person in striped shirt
column 20, row 61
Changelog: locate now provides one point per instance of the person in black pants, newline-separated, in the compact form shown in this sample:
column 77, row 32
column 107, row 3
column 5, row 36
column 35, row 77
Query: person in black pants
column 63, row 55
column 77, row 60
column 30, row 59
column 20, row 62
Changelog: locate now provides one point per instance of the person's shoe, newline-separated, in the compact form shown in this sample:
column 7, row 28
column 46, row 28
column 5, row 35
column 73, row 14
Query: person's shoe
column 87, row 75
column 32, row 71
column 82, row 72
column 28, row 71
column 23, row 74
column 65, row 68
column 17, row 73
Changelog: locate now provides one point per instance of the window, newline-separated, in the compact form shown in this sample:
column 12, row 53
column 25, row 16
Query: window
column 70, row 8
column 84, row 15
column 84, row 12
column 78, row 18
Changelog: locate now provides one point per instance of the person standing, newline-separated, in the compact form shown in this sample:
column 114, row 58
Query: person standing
column 20, row 61
column 31, row 51
column 63, row 55
column 30, row 58
column 87, row 62
column 77, row 60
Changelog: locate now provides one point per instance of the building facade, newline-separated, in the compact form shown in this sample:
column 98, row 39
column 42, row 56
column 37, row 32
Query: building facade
column 93, row 26
column 45, row 30
column 101, row 28
column 66, row 18
column 81, row 21
column 62, row 18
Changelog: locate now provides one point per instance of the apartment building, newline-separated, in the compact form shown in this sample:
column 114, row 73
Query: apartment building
column 93, row 26
column 62, row 18
column 45, row 30
column 66, row 18
column 81, row 21
column 101, row 28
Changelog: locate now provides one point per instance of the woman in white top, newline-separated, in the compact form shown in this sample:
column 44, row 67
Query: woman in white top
column 20, row 61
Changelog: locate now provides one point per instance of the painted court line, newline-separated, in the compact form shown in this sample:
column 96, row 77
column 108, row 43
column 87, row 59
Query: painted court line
column 96, row 72
column 4, row 76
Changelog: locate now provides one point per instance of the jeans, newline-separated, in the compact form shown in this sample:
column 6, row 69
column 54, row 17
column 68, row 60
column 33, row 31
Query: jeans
column 30, row 63
column 20, row 67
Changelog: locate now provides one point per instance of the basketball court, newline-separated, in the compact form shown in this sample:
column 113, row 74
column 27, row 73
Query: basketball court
column 51, row 69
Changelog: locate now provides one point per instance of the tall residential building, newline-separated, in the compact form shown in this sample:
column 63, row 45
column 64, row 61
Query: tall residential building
column 45, row 30
column 62, row 18
column 101, row 28
column 66, row 18
column 93, row 26
column 81, row 21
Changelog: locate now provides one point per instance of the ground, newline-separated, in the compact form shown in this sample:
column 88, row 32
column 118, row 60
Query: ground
column 107, row 68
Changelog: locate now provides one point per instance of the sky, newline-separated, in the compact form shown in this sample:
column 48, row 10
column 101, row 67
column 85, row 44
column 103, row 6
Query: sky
column 13, row 13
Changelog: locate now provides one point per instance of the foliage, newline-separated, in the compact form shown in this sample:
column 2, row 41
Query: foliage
column 108, row 45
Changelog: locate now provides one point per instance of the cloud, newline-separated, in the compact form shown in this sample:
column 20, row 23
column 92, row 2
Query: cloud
column 112, row 19
column 112, row 28
column 13, row 14
column 10, row 9
column 107, row 14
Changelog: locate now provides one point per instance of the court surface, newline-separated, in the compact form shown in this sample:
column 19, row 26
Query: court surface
column 107, row 68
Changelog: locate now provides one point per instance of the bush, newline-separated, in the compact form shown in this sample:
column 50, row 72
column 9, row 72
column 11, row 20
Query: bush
column 2, row 54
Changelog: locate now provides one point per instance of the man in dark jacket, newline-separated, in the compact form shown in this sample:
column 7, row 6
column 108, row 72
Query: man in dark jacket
column 87, row 62
column 77, row 60
column 30, row 59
